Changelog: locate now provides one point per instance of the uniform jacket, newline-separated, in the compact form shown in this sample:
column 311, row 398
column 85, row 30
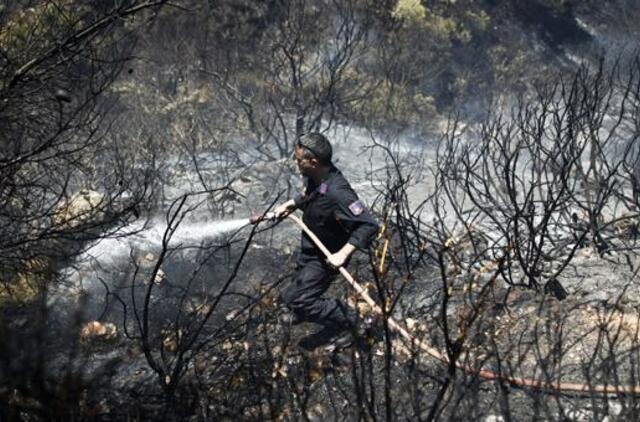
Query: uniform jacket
column 333, row 211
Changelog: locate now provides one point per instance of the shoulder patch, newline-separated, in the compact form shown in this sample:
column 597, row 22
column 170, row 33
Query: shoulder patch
column 323, row 188
column 356, row 207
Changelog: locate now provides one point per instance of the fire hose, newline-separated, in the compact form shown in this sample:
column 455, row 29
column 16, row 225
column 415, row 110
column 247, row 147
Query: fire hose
column 528, row 383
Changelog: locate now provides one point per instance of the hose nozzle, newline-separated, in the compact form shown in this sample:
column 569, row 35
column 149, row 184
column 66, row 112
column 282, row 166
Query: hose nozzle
column 257, row 218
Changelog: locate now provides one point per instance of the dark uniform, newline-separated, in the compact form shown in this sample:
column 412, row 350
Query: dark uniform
column 334, row 213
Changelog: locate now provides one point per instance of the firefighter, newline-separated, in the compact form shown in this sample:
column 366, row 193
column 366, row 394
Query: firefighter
column 333, row 211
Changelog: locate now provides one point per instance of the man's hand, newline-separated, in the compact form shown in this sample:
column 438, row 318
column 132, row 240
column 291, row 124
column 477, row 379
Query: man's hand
column 339, row 258
column 283, row 209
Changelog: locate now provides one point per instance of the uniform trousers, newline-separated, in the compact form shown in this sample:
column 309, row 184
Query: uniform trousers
column 304, row 295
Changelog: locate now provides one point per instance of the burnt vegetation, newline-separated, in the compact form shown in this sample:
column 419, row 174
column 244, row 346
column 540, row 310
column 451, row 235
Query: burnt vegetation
column 505, row 273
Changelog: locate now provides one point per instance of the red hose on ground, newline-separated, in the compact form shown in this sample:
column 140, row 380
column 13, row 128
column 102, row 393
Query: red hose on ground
column 567, row 387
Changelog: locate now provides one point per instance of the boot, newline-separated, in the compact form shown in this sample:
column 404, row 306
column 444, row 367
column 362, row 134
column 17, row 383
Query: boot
column 334, row 336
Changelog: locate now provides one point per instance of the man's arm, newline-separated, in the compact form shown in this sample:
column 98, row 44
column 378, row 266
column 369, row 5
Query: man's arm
column 283, row 209
column 358, row 221
column 339, row 258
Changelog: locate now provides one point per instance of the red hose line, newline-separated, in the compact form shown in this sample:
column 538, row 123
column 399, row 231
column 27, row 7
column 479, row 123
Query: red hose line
column 566, row 387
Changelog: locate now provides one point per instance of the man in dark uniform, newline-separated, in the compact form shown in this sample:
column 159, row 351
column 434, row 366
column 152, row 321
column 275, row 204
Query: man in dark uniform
column 332, row 210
